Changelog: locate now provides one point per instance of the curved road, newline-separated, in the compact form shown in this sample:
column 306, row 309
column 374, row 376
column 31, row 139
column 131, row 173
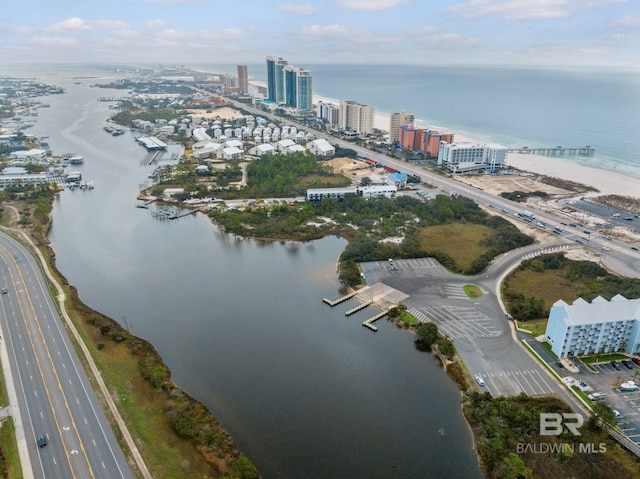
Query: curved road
column 53, row 392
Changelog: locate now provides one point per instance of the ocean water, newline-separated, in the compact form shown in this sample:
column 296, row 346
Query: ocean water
column 512, row 106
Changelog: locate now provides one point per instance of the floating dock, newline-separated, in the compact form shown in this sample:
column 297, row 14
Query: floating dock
column 339, row 300
column 358, row 308
column 369, row 322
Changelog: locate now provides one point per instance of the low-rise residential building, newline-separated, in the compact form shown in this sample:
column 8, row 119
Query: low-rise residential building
column 321, row 147
column 601, row 326
column 17, row 176
column 34, row 155
column 375, row 191
column 471, row 157
column 230, row 153
column 339, row 194
column 262, row 149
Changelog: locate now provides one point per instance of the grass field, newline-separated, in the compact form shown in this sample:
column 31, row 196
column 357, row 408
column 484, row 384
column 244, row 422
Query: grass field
column 549, row 285
column 459, row 241
column 10, row 449
column 472, row 291
column 537, row 327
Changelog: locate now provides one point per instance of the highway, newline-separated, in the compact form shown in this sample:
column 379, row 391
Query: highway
column 53, row 392
column 619, row 258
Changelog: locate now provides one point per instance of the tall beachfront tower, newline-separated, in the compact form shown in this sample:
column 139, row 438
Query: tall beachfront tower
column 396, row 120
column 243, row 80
column 304, row 91
column 275, row 79
column 356, row 117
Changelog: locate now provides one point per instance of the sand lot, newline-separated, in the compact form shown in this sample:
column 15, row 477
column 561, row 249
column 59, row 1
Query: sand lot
column 506, row 183
column 225, row 113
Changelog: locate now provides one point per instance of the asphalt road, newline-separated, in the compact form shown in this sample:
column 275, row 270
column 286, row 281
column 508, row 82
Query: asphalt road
column 54, row 394
column 478, row 327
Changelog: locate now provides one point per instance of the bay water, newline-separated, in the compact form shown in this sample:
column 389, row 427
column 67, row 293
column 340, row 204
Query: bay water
column 304, row 391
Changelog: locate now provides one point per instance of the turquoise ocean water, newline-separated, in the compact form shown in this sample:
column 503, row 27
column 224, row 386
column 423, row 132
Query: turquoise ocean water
column 513, row 106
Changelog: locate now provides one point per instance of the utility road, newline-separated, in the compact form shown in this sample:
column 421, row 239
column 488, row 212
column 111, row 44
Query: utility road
column 53, row 392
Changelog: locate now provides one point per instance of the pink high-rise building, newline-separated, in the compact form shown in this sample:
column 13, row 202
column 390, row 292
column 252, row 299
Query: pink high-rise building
column 422, row 139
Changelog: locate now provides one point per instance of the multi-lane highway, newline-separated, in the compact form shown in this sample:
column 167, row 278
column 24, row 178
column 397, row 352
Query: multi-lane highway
column 54, row 395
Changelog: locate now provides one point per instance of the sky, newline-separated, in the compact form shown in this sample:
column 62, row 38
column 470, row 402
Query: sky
column 584, row 33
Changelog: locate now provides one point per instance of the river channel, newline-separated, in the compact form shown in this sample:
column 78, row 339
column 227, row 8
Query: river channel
column 304, row 391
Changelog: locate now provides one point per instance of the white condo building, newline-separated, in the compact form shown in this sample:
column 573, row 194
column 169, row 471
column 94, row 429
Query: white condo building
column 601, row 326
column 356, row 117
column 396, row 120
column 471, row 157
column 328, row 112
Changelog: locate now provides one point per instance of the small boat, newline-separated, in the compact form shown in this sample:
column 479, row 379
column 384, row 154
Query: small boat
column 76, row 160
column 628, row 386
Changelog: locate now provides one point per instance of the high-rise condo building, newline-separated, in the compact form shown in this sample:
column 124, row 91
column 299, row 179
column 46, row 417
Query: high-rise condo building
column 289, row 86
column 275, row 79
column 298, row 88
column 396, row 120
column 356, row 117
column 328, row 112
column 422, row 139
column 243, row 80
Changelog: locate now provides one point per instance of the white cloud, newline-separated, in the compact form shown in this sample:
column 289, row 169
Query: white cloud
column 520, row 10
column 324, row 31
column 23, row 31
column 70, row 25
column 628, row 21
column 110, row 24
column 449, row 40
column 156, row 23
column 226, row 34
column 54, row 42
column 370, row 4
column 305, row 9
column 175, row 2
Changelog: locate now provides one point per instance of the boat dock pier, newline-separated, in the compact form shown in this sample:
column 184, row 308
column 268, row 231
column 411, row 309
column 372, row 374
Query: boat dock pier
column 358, row 308
column 369, row 322
column 557, row 151
column 339, row 300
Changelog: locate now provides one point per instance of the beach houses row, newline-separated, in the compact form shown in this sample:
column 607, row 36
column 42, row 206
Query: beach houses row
column 233, row 149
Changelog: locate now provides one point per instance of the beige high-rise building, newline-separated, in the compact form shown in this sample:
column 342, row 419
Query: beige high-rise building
column 243, row 80
column 396, row 120
column 356, row 117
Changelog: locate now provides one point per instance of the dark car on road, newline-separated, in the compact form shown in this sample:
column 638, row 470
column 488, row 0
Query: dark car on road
column 615, row 365
column 627, row 364
column 42, row 440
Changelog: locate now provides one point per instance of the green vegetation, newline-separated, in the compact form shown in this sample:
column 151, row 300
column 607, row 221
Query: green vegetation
column 502, row 424
column 536, row 327
column 366, row 223
column 462, row 242
column 522, row 195
column 127, row 116
column 9, row 458
column 603, row 358
column 531, row 290
column 472, row 291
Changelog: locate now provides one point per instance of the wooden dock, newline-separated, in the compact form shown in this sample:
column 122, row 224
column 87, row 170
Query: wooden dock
column 339, row 300
column 369, row 322
column 358, row 308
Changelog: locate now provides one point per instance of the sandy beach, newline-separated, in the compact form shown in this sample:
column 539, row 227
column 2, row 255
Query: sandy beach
column 606, row 182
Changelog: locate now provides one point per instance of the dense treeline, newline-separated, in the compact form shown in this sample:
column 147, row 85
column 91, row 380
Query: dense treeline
column 586, row 279
column 127, row 116
column 366, row 223
column 504, row 426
